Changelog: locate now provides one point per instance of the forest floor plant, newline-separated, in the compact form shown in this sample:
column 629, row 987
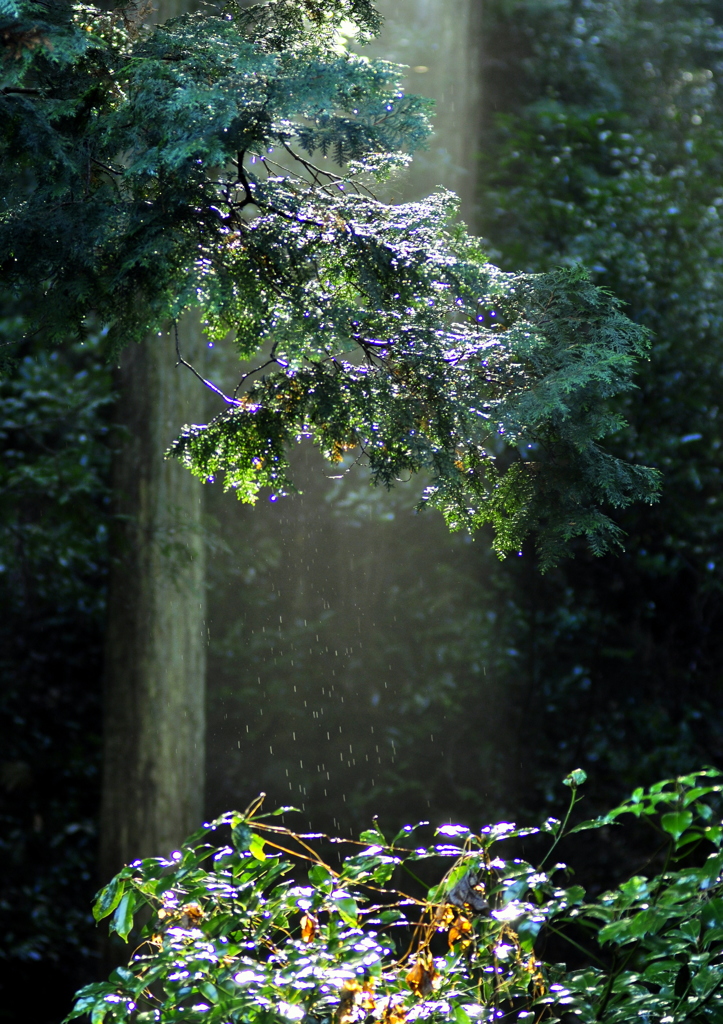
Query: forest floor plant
column 279, row 926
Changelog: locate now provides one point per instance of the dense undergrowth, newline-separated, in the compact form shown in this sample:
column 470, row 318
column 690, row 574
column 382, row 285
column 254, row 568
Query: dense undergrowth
column 275, row 926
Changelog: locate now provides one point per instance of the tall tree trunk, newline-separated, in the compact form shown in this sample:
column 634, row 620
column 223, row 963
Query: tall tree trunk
column 154, row 715
column 155, row 655
column 440, row 41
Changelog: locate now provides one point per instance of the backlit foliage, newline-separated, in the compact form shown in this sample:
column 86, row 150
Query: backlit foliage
column 226, row 162
column 266, row 928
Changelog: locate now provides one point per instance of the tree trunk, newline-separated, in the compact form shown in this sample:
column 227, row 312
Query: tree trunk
column 440, row 41
column 154, row 714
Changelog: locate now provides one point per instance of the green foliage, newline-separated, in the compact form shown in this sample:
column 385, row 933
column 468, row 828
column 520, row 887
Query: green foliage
column 54, row 471
column 54, row 491
column 236, row 932
column 602, row 144
column 151, row 172
column 612, row 663
column 607, row 149
column 448, row 410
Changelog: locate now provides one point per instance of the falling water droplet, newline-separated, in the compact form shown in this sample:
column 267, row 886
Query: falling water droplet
column 273, row 497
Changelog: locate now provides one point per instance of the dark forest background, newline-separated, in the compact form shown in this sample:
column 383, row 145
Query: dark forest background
column 361, row 660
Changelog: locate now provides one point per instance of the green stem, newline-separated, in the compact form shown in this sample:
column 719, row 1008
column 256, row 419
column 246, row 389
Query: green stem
column 561, row 830
column 412, row 875
column 615, row 970
column 573, row 942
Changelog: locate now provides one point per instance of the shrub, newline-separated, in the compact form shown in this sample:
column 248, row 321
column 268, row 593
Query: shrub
column 266, row 929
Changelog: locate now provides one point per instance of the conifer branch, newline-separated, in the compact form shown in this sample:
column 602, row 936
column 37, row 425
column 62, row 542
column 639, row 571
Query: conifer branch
column 209, row 384
column 324, row 269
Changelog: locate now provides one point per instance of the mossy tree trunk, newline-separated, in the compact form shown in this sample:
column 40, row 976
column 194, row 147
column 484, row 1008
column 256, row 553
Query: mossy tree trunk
column 154, row 715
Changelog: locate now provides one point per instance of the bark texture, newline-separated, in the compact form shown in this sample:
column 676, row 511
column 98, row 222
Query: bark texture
column 154, row 692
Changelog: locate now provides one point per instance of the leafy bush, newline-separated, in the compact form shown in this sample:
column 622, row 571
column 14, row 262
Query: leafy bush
column 266, row 929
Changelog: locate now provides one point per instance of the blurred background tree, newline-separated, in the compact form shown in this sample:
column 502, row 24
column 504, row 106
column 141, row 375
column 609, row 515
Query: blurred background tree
column 603, row 143
column 362, row 661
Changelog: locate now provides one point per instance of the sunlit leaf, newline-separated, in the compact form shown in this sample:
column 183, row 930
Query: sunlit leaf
column 347, row 908
column 109, row 897
column 241, row 836
column 576, row 778
column 123, row 918
column 256, row 847
column 309, row 927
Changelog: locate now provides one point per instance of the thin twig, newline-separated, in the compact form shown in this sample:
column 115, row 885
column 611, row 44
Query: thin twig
column 209, row 384
column 256, row 369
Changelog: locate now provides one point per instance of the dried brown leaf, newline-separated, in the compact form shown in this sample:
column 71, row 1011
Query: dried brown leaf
column 309, row 928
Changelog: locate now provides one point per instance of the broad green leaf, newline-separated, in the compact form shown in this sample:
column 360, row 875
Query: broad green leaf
column 210, row 991
column 551, row 825
column 384, row 872
column 676, row 822
column 241, row 836
column 647, row 922
column 706, row 773
column 693, row 835
column 636, row 888
column 515, row 891
column 319, row 874
column 585, row 826
column 460, row 1015
column 389, row 916
column 109, row 897
column 123, row 917
column 256, row 847
column 698, row 791
column 98, row 1013
column 528, row 929
column 712, row 938
column 373, row 836
column 691, row 929
column 121, row 975
column 660, row 787
column 88, row 996
column 713, row 834
column 711, row 916
column 347, row 909
column 616, row 931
